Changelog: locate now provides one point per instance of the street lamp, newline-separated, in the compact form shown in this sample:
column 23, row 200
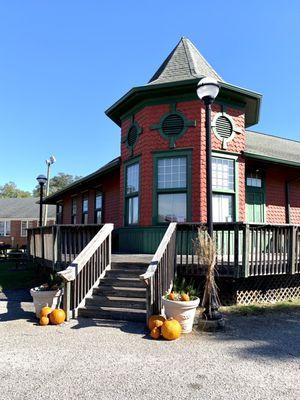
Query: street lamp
column 49, row 162
column 207, row 91
column 42, row 180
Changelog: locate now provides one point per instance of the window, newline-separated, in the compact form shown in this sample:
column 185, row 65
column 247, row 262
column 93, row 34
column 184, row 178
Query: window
column 132, row 193
column 4, row 228
column 98, row 208
column 74, row 211
column 26, row 225
column 223, row 184
column 254, row 179
column 59, row 213
column 171, row 188
column 85, row 209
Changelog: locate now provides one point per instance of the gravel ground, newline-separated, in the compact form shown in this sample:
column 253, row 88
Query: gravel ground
column 256, row 358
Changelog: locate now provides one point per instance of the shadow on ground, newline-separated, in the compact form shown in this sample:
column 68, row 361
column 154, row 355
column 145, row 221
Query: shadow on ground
column 274, row 335
column 11, row 307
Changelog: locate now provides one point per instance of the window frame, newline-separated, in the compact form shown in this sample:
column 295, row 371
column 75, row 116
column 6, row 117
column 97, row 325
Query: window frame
column 85, row 196
column 127, row 196
column 97, row 193
column 74, row 201
column 157, row 191
column 6, row 222
column 235, row 191
column 59, row 214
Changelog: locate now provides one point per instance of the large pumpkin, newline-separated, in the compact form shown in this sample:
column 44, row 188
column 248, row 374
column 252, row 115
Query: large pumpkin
column 155, row 321
column 171, row 329
column 45, row 311
column 57, row 316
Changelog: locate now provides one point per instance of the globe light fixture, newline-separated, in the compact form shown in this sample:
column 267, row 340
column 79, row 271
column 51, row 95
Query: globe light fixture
column 208, row 89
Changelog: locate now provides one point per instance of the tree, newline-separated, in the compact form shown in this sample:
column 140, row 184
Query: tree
column 10, row 190
column 58, row 182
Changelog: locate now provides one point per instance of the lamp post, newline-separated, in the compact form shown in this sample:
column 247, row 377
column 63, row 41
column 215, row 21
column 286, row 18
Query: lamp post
column 41, row 180
column 49, row 162
column 207, row 91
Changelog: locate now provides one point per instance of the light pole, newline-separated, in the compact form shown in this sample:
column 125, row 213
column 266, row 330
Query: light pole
column 42, row 180
column 49, row 162
column 207, row 91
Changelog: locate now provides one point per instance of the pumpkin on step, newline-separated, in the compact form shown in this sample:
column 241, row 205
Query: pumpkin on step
column 171, row 329
column 44, row 321
column 155, row 321
column 45, row 311
column 57, row 316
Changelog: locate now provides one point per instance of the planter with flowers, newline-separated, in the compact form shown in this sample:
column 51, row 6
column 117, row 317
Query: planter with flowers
column 181, row 305
column 47, row 295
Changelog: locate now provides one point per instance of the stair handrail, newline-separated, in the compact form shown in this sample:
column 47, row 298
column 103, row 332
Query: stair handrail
column 164, row 258
column 99, row 246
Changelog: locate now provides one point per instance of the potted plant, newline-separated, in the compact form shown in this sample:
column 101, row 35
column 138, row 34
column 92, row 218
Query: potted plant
column 181, row 304
column 49, row 294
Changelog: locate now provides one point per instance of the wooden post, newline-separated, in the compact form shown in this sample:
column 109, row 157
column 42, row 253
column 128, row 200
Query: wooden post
column 245, row 262
column 67, row 300
column 54, row 247
column 292, row 250
column 236, row 251
column 58, row 247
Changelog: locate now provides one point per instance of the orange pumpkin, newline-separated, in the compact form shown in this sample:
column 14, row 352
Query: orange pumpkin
column 171, row 296
column 152, row 322
column 171, row 329
column 45, row 311
column 185, row 297
column 44, row 321
column 155, row 333
column 57, row 316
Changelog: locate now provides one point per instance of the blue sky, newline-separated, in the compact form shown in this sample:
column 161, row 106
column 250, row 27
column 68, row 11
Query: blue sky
column 62, row 63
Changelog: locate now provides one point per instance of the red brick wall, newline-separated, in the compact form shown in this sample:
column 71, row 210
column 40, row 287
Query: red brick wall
column 194, row 138
column 109, row 184
column 276, row 176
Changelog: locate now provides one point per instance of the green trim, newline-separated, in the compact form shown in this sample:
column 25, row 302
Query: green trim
column 272, row 159
column 172, row 138
column 228, row 92
column 235, row 192
column 135, row 160
column 187, row 190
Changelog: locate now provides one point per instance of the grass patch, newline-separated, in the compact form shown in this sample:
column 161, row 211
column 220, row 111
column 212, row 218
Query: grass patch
column 262, row 308
column 12, row 278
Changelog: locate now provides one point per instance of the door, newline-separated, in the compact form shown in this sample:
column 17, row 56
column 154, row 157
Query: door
column 255, row 197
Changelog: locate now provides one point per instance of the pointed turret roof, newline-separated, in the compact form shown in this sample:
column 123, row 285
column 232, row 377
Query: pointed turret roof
column 184, row 62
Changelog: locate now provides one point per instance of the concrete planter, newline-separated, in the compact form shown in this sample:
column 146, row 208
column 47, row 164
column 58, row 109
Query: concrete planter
column 183, row 311
column 43, row 298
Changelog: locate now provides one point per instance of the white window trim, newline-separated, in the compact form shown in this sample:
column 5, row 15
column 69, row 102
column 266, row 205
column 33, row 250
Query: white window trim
column 6, row 222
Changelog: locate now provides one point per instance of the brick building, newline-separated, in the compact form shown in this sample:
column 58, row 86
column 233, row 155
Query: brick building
column 16, row 216
column 160, row 174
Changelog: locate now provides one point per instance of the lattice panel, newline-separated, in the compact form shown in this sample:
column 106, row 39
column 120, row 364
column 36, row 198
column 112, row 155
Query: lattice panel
column 270, row 289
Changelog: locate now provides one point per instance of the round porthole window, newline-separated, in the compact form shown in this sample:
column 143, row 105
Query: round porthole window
column 132, row 136
column 224, row 127
column 173, row 124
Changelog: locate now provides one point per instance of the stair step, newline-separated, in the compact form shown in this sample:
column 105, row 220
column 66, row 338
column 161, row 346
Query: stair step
column 117, row 302
column 125, row 314
column 125, row 282
column 120, row 291
column 128, row 266
column 124, row 273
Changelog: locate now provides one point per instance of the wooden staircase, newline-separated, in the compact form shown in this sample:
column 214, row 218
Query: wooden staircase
column 120, row 295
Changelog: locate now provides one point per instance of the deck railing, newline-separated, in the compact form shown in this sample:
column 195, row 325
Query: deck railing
column 160, row 274
column 244, row 250
column 86, row 270
column 58, row 245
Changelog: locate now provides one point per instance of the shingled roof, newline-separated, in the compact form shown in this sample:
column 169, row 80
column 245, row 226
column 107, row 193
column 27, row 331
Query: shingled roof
column 184, row 62
column 23, row 208
column 272, row 148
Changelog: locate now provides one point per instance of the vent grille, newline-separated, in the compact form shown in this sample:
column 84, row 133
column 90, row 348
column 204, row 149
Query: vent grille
column 173, row 124
column 224, row 127
column 132, row 136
